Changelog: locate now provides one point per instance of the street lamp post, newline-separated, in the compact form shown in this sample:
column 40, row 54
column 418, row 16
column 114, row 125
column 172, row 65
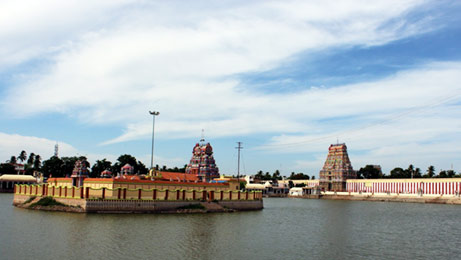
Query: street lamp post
column 153, row 113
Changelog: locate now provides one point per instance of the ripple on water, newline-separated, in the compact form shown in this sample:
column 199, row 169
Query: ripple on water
column 286, row 228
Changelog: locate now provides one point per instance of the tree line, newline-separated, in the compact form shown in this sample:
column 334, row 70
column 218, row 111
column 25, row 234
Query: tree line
column 31, row 163
column 260, row 175
column 63, row 166
column 372, row 172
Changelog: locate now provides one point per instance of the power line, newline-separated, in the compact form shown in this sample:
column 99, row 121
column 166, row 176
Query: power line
column 413, row 110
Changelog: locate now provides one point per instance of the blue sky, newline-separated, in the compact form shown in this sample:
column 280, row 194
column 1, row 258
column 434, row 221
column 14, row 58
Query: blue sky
column 286, row 78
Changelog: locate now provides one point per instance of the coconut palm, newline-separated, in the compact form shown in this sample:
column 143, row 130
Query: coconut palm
column 31, row 159
column 22, row 156
column 13, row 159
column 431, row 171
column 37, row 162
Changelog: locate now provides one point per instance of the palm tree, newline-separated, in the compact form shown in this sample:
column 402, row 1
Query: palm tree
column 417, row 173
column 31, row 158
column 37, row 162
column 430, row 171
column 13, row 159
column 22, row 156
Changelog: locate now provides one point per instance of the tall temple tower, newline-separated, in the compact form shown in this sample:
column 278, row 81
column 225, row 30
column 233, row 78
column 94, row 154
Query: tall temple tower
column 337, row 169
column 202, row 163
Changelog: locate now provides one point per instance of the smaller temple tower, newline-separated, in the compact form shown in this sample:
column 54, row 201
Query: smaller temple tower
column 337, row 169
column 127, row 169
column 106, row 174
column 79, row 173
column 202, row 163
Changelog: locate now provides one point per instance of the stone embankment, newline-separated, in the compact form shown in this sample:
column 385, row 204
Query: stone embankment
column 132, row 206
column 393, row 197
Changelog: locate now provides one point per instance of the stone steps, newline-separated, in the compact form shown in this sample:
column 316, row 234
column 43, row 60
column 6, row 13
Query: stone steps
column 213, row 207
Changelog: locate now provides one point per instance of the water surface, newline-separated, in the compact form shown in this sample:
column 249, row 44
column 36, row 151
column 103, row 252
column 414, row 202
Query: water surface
column 285, row 229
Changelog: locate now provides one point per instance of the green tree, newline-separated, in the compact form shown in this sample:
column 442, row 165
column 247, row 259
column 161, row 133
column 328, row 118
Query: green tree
column 276, row 175
column 417, row 173
column 7, row 168
column 22, row 156
column 58, row 167
column 259, row 175
column 164, row 168
column 370, row 172
column 398, row 173
column 31, row 158
column 451, row 173
column 142, row 169
column 138, row 166
column 52, row 167
column 298, row 176
column 412, row 172
column 409, row 171
column 443, row 174
column 68, row 164
column 99, row 167
column 12, row 160
column 267, row 176
column 37, row 162
column 430, row 171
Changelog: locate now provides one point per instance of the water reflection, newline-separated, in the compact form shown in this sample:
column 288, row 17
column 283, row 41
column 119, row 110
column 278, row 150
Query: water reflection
column 286, row 228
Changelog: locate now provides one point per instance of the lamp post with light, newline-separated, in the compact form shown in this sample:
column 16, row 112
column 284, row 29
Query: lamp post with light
column 153, row 113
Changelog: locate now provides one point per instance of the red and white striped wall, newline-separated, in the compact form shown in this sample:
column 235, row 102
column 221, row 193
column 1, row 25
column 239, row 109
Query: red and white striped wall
column 450, row 186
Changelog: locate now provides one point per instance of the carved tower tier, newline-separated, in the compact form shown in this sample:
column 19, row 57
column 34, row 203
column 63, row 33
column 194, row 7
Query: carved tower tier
column 337, row 169
column 202, row 163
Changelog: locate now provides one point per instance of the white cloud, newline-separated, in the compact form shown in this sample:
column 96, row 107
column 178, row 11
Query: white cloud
column 31, row 29
column 13, row 144
column 111, row 62
column 176, row 58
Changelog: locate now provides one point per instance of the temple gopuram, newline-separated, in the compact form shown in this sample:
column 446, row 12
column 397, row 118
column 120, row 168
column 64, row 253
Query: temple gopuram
column 202, row 163
column 337, row 169
column 79, row 173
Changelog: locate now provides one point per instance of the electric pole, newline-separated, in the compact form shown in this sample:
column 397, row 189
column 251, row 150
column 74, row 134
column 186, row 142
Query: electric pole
column 239, row 147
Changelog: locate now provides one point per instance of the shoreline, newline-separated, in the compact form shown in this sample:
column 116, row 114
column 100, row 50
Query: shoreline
column 383, row 197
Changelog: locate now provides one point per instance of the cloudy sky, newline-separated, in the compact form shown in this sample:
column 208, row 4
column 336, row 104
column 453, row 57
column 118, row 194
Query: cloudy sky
column 286, row 78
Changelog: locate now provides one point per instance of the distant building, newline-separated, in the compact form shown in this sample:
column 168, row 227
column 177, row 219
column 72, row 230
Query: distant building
column 337, row 169
column 7, row 181
column 202, row 163
column 19, row 168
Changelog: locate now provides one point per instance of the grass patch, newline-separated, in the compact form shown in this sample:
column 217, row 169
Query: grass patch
column 47, row 202
column 193, row 206
column 29, row 200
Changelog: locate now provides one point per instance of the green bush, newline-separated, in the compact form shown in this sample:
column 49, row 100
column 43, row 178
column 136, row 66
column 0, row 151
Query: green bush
column 46, row 202
column 29, row 200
